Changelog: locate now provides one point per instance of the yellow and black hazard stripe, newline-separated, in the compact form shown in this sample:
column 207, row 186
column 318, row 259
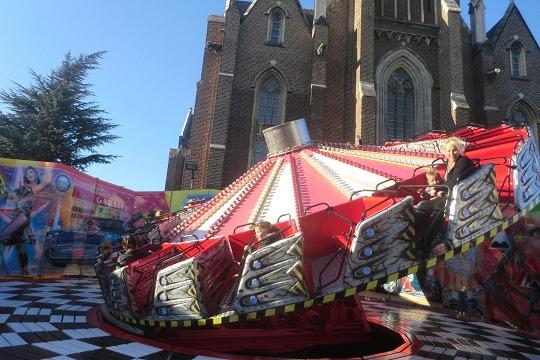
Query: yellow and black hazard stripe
column 230, row 319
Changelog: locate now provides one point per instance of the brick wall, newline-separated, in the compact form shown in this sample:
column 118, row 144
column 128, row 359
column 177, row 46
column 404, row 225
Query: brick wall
column 335, row 108
column 205, row 102
column 292, row 60
column 224, row 95
column 318, row 84
column 337, row 61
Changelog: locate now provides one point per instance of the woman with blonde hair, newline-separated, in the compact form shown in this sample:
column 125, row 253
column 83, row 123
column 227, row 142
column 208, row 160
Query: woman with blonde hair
column 458, row 166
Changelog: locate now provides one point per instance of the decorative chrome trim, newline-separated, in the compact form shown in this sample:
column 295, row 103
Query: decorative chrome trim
column 280, row 276
column 390, row 237
column 526, row 174
column 474, row 206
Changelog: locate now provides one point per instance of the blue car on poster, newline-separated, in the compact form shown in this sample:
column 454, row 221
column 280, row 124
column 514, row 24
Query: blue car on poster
column 82, row 246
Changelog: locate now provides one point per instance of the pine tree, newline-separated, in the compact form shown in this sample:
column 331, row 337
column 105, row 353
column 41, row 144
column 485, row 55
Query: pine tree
column 53, row 119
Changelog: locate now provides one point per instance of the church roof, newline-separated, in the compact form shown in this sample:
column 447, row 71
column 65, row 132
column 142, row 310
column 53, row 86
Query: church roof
column 185, row 135
column 495, row 32
column 242, row 6
column 246, row 6
column 309, row 13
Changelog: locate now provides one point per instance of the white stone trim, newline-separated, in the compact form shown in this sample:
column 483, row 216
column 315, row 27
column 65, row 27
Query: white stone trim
column 436, row 11
column 217, row 146
column 216, row 18
column 318, row 85
column 422, row 18
column 458, row 100
column 450, row 6
column 409, row 10
column 478, row 21
column 320, row 9
column 423, row 84
column 491, row 108
column 367, row 89
column 226, row 74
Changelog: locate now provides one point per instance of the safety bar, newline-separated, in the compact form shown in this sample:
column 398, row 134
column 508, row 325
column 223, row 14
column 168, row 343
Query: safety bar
column 187, row 236
column 243, row 225
column 282, row 215
column 432, row 165
column 315, row 205
column 493, row 158
column 372, row 190
column 321, row 286
column 506, row 178
column 385, row 181
column 352, row 224
column 423, row 186
column 521, row 140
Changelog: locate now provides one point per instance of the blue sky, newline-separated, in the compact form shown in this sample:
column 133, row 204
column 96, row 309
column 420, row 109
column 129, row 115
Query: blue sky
column 147, row 79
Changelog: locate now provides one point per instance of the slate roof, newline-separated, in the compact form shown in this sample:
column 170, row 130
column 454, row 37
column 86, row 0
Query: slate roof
column 245, row 6
column 495, row 32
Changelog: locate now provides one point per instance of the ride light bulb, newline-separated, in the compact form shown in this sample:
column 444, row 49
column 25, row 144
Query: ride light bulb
column 370, row 232
column 368, row 251
column 253, row 283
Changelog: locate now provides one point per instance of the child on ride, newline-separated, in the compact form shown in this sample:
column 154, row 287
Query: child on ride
column 266, row 233
column 432, row 191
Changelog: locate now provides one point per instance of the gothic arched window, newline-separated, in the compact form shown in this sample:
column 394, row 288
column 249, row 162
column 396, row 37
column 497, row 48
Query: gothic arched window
column 518, row 63
column 276, row 26
column 400, row 109
column 523, row 114
column 268, row 114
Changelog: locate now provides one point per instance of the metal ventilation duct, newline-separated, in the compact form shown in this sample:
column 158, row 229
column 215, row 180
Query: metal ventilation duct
column 287, row 136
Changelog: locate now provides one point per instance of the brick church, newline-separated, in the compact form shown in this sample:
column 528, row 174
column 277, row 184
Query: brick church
column 359, row 71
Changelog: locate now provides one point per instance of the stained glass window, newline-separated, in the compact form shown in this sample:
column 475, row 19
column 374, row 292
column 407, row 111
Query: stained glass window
column 517, row 64
column 400, row 106
column 267, row 115
column 275, row 32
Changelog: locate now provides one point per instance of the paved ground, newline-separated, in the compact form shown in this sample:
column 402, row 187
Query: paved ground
column 47, row 320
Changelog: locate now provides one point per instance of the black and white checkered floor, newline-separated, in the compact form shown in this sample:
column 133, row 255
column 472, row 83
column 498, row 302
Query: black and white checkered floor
column 47, row 320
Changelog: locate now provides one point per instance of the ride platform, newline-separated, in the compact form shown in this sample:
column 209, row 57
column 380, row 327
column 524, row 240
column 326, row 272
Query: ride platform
column 59, row 319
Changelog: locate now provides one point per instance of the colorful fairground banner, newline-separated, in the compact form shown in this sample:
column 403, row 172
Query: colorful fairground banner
column 54, row 219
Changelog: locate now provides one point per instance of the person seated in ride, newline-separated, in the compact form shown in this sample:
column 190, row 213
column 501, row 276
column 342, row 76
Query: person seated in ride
column 106, row 252
column 266, row 233
column 432, row 191
column 458, row 167
column 131, row 251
